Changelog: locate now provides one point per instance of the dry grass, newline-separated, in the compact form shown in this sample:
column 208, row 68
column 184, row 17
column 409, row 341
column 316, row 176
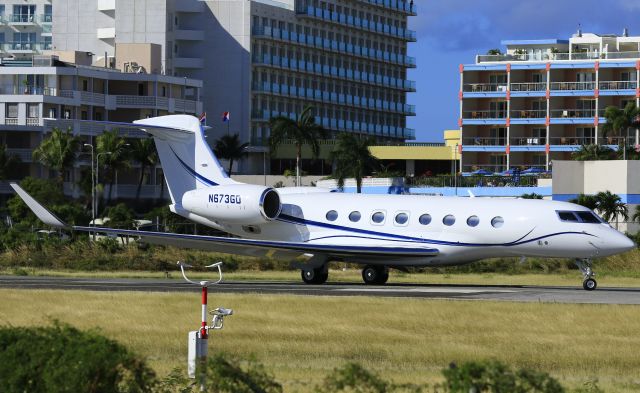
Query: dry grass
column 303, row 338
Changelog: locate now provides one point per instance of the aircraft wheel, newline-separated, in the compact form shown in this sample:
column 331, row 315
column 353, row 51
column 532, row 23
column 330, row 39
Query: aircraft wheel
column 375, row 275
column 315, row 276
column 589, row 284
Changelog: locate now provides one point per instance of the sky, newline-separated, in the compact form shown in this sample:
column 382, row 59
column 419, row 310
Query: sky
column 453, row 32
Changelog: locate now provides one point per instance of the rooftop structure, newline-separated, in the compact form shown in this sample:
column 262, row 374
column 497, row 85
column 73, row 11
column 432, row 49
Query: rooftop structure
column 543, row 99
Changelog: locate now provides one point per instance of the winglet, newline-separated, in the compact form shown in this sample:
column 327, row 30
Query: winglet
column 40, row 211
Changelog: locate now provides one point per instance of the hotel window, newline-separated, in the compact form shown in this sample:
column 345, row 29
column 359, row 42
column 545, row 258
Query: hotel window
column 539, row 136
column 1, row 38
column 586, row 135
column 1, row 10
column 48, row 14
column 24, row 13
column 586, row 108
column 539, row 160
column 33, row 111
column 498, row 79
column 539, row 77
column 47, row 43
column 12, row 110
column 629, row 76
column 498, row 109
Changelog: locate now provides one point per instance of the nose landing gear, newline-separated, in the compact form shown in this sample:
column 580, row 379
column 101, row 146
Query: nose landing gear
column 589, row 282
column 375, row 275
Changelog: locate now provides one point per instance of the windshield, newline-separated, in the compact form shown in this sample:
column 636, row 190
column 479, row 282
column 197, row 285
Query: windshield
column 586, row 217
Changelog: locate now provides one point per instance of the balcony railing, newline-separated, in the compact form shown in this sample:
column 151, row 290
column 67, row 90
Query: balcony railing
column 484, row 141
column 484, row 87
column 572, row 140
column 22, row 46
column 334, row 98
column 22, row 18
column 575, row 113
column 46, row 18
column 323, row 69
column 528, row 141
column 343, row 125
column 531, row 86
column 484, row 114
column 528, row 114
column 532, row 57
column 349, row 20
column 618, row 85
column 397, row 5
column 331, row 45
column 562, row 86
column 28, row 89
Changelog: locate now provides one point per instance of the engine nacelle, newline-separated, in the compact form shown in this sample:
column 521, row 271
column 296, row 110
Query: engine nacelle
column 239, row 203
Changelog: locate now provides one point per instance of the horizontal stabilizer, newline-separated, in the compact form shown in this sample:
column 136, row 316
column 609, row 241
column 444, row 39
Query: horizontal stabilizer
column 40, row 211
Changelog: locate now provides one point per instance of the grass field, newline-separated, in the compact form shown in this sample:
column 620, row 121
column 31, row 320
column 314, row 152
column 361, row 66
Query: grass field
column 302, row 338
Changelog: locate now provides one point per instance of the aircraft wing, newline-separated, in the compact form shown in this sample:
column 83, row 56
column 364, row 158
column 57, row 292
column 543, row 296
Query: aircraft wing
column 228, row 245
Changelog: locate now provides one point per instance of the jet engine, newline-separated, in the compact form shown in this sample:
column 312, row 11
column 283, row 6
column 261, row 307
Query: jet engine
column 235, row 203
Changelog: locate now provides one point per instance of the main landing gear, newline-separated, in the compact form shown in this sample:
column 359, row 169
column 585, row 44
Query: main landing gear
column 375, row 275
column 589, row 282
column 315, row 275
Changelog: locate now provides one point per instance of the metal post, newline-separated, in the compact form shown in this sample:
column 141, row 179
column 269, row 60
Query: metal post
column 93, row 191
column 455, row 165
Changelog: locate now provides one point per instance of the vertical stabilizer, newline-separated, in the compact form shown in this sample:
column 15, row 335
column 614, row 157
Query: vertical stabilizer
column 187, row 160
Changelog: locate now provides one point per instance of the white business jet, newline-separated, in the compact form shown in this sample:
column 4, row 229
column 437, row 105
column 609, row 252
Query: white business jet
column 378, row 231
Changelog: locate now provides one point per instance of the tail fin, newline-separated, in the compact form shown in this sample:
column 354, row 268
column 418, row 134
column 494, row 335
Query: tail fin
column 187, row 160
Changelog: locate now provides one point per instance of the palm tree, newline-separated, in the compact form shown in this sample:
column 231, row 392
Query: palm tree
column 636, row 215
column 611, row 206
column 533, row 195
column 353, row 159
column 494, row 52
column 58, row 152
column 144, row 152
column 619, row 120
column 592, row 153
column 116, row 155
column 7, row 162
column 588, row 201
column 303, row 130
column 228, row 147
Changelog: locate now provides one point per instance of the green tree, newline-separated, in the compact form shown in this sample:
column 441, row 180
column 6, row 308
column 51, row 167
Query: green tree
column 592, row 153
column 228, row 147
column 60, row 358
column 533, row 195
column 588, row 201
column 144, row 152
column 494, row 52
column 495, row 377
column 611, row 207
column 7, row 162
column 303, row 131
column 120, row 216
column 353, row 159
column 620, row 120
column 636, row 214
column 58, row 152
column 352, row 377
column 115, row 155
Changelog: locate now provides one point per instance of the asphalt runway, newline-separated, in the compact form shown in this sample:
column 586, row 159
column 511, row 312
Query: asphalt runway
column 516, row 293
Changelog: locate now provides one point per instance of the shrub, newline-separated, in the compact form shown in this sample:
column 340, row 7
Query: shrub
column 60, row 358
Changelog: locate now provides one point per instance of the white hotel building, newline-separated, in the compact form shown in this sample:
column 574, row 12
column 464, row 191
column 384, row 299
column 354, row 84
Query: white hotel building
column 543, row 99
column 259, row 58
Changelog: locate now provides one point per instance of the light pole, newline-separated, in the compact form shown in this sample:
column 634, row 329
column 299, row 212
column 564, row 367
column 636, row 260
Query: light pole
column 93, row 187
column 98, row 172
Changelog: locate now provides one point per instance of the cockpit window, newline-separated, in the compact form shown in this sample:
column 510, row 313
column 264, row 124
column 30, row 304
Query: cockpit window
column 567, row 216
column 588, row 217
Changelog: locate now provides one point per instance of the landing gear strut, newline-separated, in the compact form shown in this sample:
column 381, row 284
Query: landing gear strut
column 589, row 282
column 315, row 276
column 375, row 275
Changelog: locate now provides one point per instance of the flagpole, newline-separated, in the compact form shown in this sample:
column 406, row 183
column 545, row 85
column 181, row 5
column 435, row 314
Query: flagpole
column 228, row 124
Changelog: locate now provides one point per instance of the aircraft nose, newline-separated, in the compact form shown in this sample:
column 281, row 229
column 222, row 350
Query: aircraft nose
column 621, row 243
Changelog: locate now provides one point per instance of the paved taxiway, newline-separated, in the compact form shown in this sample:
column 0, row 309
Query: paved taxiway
column 517, row 293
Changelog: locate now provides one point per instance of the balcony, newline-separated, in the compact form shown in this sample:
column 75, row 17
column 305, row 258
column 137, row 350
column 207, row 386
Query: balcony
column 573, row 86
column 28, row 90
column 106, row 33
column 334, row 98
column 484, row 141
column 574, row 113
column 107, row 5
column 21, row 47
column 333, row 46
column 335, row 72
column 22, row 19
column 526, row 87
column 538, row 57
column 528, row 114
column 344, row 125
column 618, row 85
column 188, row 62
column 485, row 114
column 484, row 87
column 188, row 35
column 45, row 18
column 365, row 24
column 395, row 5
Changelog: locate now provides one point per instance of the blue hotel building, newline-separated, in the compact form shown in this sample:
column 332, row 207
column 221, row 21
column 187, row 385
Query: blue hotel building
column 543, row 99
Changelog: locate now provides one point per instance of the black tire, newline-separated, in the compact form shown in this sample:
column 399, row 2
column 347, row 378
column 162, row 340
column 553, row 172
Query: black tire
column 314, row 276
column 375, row 275
column 589, row 284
